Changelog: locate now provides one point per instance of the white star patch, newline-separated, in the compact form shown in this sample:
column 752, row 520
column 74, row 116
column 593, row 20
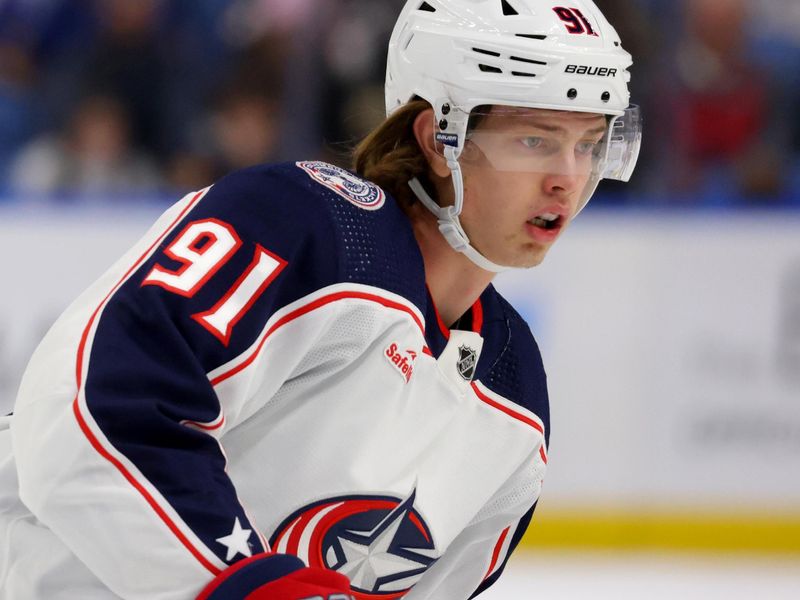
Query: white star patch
column 236, row 542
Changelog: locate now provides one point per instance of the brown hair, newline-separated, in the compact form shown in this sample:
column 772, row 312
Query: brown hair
column 390, row 155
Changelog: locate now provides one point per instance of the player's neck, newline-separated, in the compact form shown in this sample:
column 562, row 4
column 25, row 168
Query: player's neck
column 455, row 282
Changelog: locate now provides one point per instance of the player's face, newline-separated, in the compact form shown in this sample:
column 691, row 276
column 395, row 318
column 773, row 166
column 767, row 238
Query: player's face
column 524, row 173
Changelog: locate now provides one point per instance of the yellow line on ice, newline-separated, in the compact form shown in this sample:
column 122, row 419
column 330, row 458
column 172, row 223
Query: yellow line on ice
column 711, row 531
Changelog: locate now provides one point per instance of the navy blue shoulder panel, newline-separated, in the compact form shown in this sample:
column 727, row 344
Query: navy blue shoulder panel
column 514, row 369
column 376, row 246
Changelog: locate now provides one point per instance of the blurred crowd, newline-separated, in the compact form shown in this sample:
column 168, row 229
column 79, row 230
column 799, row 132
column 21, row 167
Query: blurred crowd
column 108, row 98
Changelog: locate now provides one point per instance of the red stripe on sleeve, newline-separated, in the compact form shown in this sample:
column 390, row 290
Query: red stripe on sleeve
column 508, row 411
column 132, row 480
column 304, row 310
column 496, row 553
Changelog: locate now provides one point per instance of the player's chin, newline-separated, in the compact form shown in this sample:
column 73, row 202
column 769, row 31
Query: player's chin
column 516, row 253
column 531, row 262
column 527, row 257
column 533, row 255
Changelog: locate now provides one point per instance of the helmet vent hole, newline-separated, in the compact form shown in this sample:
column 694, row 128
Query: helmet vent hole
column 489, row 69
column 489, row 52
column 528, row 60
column 531, row 36
column 426, row 7
column 521, row 74
column 508, row 10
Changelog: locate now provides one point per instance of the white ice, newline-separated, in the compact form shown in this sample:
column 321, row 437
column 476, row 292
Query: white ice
column 629, row 576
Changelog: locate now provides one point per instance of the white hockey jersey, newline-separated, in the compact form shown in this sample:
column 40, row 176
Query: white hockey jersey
column 265, row 370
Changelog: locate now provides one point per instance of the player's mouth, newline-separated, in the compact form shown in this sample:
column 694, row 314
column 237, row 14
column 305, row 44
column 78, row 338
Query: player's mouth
column 545, row 227
column 547, row 221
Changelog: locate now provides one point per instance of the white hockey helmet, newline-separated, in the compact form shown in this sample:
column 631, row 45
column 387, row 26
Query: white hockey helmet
column 461, row 54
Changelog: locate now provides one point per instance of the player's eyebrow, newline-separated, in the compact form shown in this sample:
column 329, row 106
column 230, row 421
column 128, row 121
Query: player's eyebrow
column 559, row 129
column 543, row 125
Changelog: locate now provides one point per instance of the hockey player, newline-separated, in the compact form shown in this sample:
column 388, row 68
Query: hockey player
column 300, row 383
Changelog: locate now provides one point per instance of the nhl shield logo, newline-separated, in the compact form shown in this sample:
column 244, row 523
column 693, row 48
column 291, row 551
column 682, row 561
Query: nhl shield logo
column 467, row 360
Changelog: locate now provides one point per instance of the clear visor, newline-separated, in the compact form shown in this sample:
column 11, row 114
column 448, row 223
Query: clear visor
column 525, row 140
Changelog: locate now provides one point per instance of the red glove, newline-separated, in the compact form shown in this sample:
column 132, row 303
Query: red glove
column 276, row 577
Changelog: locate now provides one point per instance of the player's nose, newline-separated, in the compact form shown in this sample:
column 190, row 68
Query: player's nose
column 562, row 174
column 562, row 184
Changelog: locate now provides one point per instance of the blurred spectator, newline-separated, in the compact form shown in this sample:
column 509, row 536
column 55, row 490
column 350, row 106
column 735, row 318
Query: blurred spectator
column 242, row 130
column 17, row 78
column 92, row 156
column 245, row 128
column 326, row 58
column 642, row 27
column 719, row 135
column 776, row 43
column 354, row 58
column 129, row 62
column 250, row 20
column 15, row 100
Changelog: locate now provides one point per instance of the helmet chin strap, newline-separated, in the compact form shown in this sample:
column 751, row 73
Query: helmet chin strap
column 447, row 216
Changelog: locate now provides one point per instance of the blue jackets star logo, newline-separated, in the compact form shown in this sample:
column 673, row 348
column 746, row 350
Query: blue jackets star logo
column 377, row 559
column 381, row 544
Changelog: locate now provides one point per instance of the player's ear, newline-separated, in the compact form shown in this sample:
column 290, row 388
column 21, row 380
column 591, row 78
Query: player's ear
column 423, row 132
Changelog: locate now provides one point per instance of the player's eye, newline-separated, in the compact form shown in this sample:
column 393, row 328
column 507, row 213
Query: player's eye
column 532, row 142
column 585, row 147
